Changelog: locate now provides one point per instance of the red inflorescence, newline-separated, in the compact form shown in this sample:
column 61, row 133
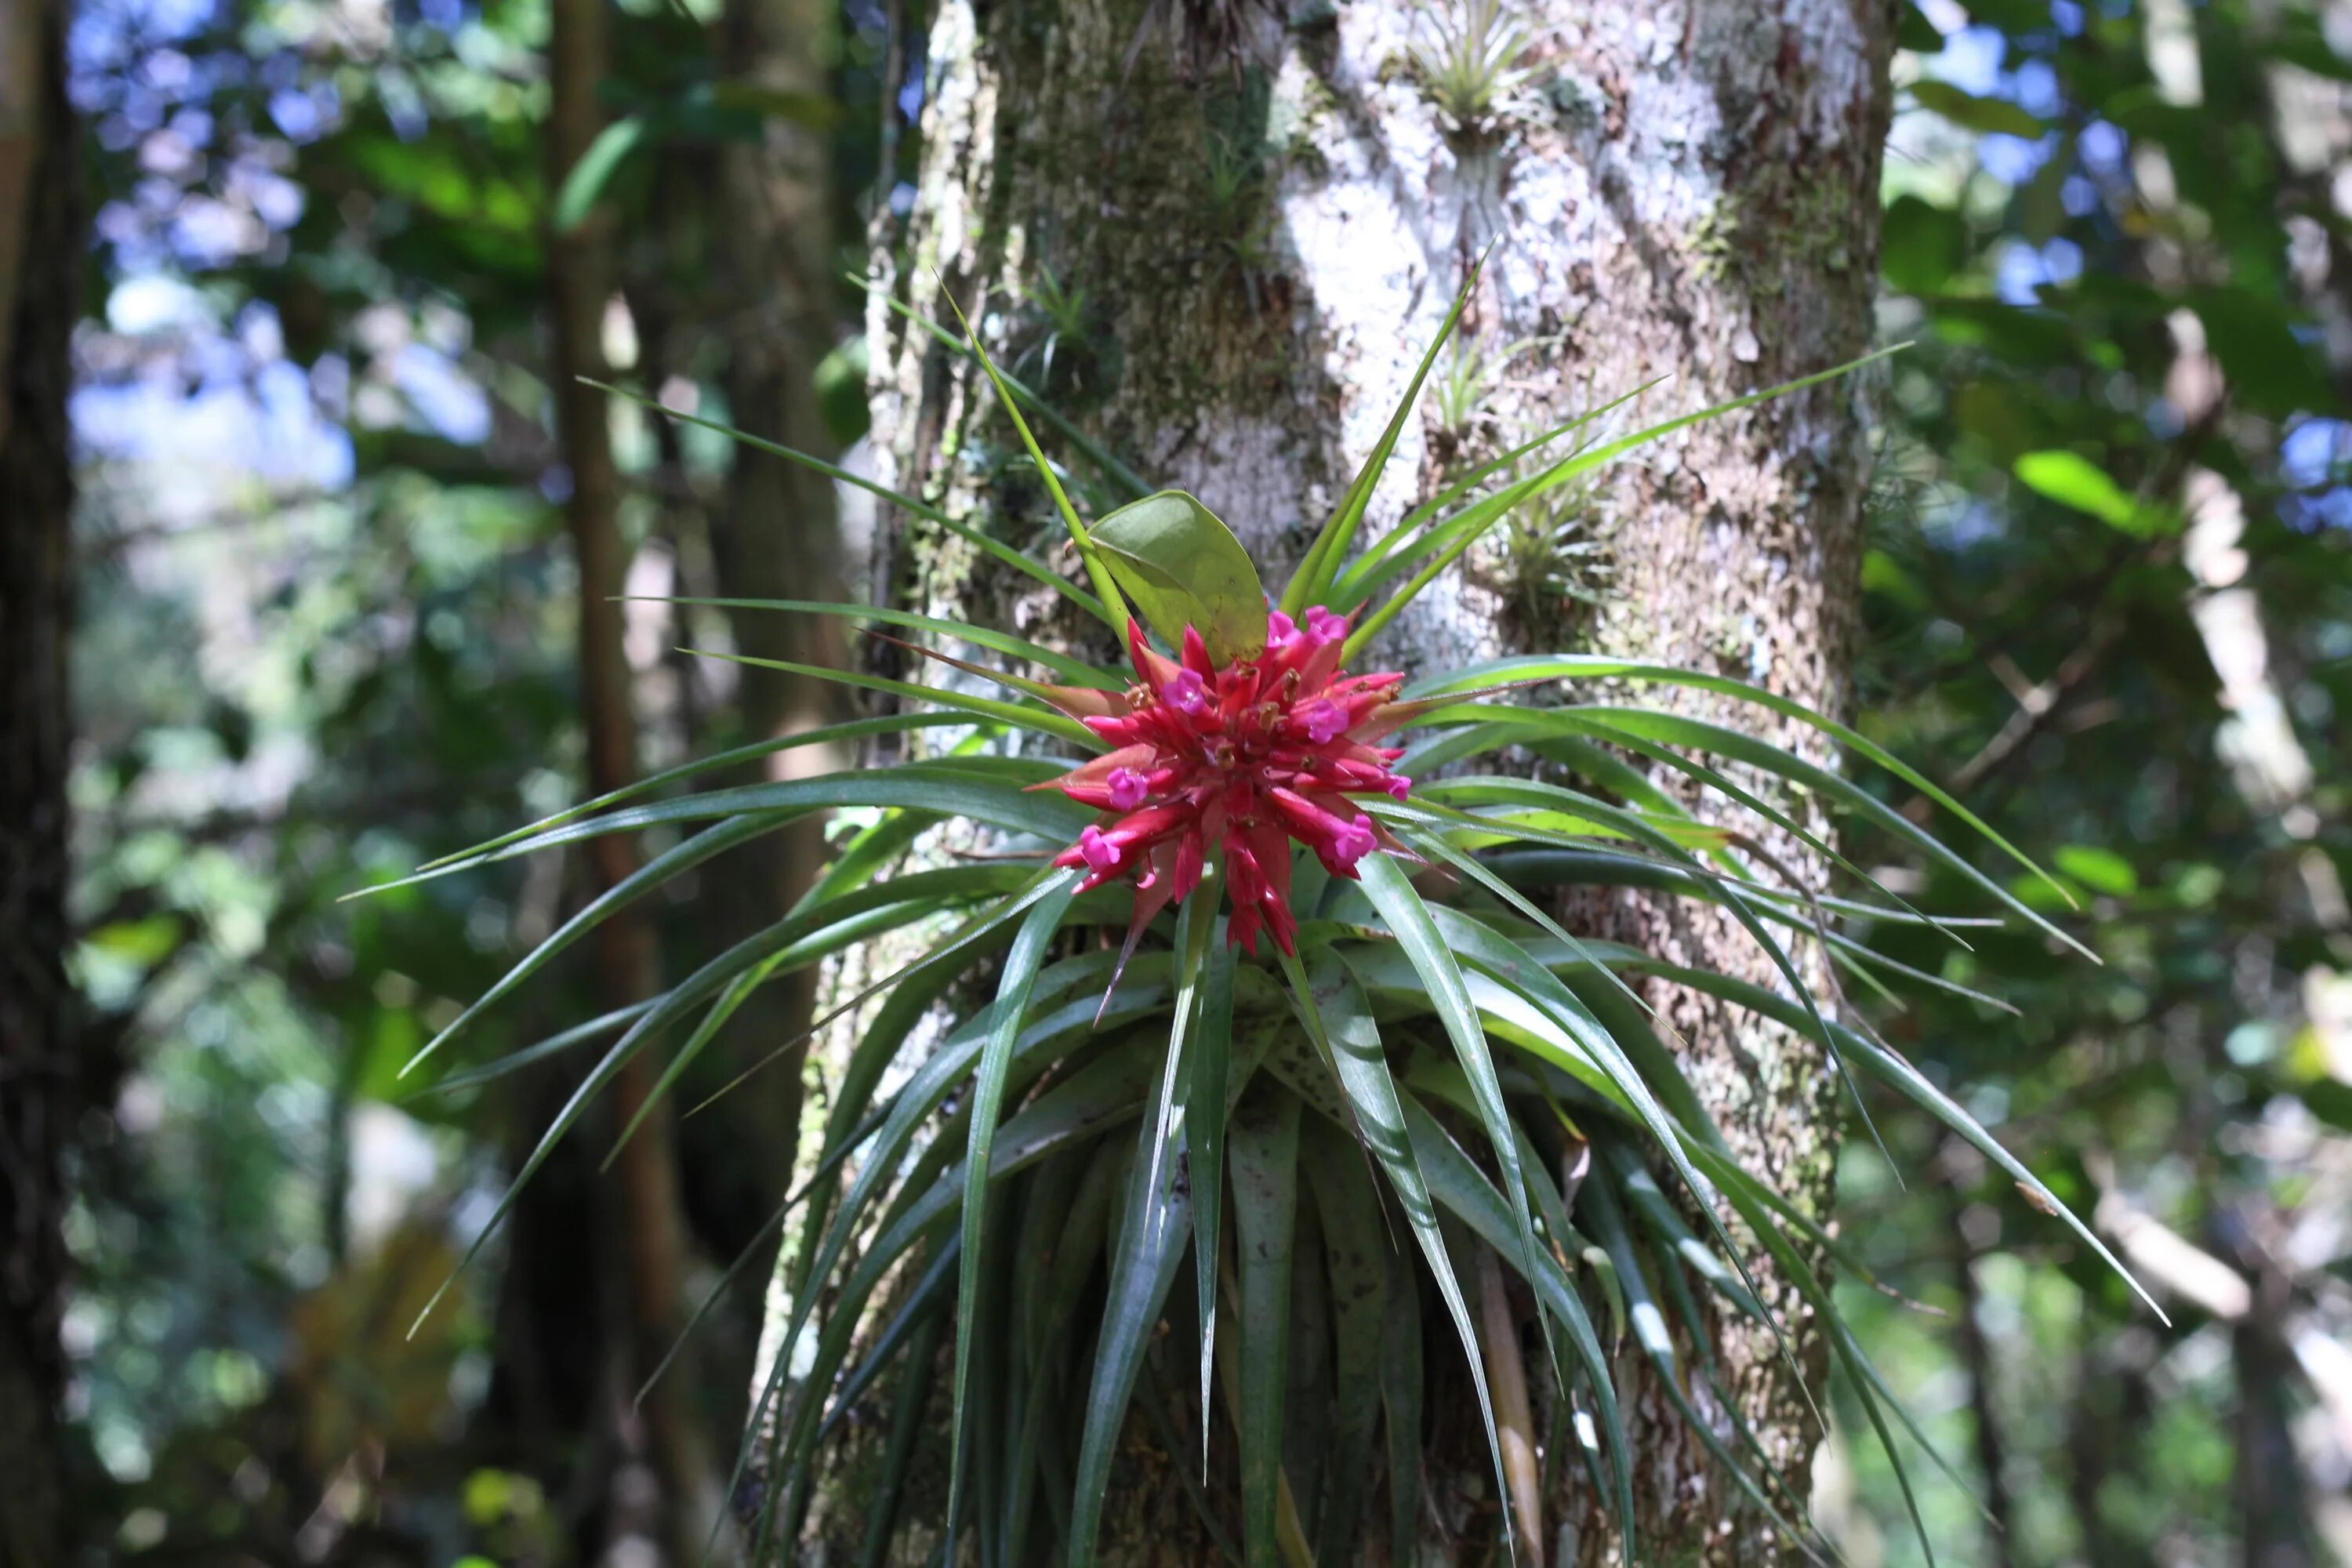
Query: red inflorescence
column 1245, row 758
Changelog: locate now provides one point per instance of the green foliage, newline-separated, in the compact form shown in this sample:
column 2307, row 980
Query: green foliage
column 1468, row 66
column 1448, row 1026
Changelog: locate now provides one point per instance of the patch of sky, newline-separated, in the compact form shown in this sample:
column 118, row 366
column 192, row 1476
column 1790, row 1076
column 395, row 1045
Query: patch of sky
column 449, row 402
column 2102, row 147
column 2014, row 160
column 2021, row 270
column 2314, row 459
column 1969, row 59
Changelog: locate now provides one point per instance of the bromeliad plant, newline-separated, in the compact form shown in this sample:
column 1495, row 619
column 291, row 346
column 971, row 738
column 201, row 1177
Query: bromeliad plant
column 1275, row 994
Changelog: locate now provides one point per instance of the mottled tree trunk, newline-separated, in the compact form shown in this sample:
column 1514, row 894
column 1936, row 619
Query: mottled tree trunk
column 40, row 1067
column 1268, row 216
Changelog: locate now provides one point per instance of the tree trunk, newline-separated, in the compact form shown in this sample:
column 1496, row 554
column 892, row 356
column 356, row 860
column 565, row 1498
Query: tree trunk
column 40, row 1069
column 1266, row 221
column 651, row 1231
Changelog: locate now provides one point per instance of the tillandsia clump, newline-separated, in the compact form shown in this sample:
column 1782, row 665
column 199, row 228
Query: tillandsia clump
column 1280, row 995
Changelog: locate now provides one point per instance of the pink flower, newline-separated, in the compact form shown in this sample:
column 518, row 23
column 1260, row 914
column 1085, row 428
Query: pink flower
column 1243, row 759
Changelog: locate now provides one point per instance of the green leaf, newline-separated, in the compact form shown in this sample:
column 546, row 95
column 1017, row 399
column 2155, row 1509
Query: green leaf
column 1321, row 564
column 1205, row 1096
column 1264, row 1149
column 2074, row 480
column 1465, row 1192
column 2254, row 338
column 588, row 177
column 2101, row 870
column 1151, row 1244
column 1921, row 245
column 1114, row 610
column 1400, row 1397
column 1020, row 967
column 1902, row 1075
column 1027, row 566
column 1597, row 667
column 1351, row 1043
column 1568, row 468
column 1182, row 566
column 1971, row 112
column 1599, row 1204
column 1355, row 1253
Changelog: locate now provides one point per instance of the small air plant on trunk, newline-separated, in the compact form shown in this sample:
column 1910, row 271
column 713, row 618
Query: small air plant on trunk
column 1270, row 963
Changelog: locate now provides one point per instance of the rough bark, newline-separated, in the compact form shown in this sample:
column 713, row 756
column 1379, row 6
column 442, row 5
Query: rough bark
column 1268, row 218
column 40, row 1068
column 651, row 1232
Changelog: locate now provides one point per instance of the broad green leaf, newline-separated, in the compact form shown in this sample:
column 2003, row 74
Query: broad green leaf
column 1972, row 112
column 1182, row 566
column 2074, row 480
column 587, row 178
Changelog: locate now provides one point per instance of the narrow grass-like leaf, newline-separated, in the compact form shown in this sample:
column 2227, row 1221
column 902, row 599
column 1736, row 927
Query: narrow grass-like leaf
column 672, row 862
column 1027, row 566
column 1045, row 722
column 1205, row 1101
column 1078, row 672
column 1150, row 1246
column 1451, row 536
column 1601, row 667
column 1355, row 1255
column 1599, row 1204
column 960, row 787
column 1021, row 966
column 1349, row 1039
column 1356, row 582
column 855, row 730
column 1114, row 607
column 1562, row 472
column 1330, row 547
column 1401, row 1395
column 906, row 1432
column 1914, row 1085
column 1263, row 1145
column 1094, row 452
column 1464, row 1190
column 1385, row 884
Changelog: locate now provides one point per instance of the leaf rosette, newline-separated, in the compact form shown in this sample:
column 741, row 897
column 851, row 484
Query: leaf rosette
column 1422, row 1079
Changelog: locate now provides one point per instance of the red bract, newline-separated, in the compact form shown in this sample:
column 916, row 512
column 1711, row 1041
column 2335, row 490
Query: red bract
column 1245, row 758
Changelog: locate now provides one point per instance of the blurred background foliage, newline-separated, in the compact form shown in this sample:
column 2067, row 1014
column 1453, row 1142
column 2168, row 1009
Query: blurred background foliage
column 325, row 621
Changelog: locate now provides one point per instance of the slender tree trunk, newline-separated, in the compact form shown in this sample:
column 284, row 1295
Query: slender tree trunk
column 40, row 1068
column 1266, row 220
column 652, row 1233
column 774, row 536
